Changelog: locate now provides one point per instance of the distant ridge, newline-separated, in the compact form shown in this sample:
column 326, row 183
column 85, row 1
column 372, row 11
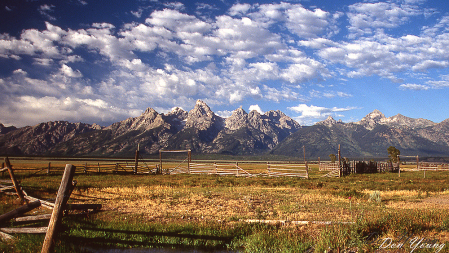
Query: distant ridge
column 202, row 131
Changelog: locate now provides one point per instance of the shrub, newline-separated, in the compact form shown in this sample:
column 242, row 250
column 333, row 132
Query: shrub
column 375, row 197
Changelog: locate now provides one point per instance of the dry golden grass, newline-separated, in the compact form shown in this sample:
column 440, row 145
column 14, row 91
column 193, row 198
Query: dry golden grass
column 221, row 203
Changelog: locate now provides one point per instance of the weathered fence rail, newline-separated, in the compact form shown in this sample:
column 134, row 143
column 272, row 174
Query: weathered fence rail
column 60, row 205
column 326, row 166
column 433, row 166
column 142, row 168
column 288, row 170
column 221, row 169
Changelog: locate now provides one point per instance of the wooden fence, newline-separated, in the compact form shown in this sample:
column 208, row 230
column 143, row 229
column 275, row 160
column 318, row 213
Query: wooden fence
column 353, row 167
column 123, row 167
column 426, row 166
column 104, row 166
column 221, row 169
column 326, row 166
column 288, row 170
column 29, row 203
column 433, row 166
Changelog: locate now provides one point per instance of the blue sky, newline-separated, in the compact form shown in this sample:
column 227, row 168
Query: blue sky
column 104, row 61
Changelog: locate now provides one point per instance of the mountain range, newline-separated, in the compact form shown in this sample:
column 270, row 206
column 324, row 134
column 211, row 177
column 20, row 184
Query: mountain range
column 202, row 131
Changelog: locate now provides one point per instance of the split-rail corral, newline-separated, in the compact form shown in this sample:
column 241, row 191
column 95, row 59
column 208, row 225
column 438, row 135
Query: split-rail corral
column 58, row 208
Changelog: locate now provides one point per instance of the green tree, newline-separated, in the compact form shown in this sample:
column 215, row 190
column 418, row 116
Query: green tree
column 393, row 154
column 333, row 158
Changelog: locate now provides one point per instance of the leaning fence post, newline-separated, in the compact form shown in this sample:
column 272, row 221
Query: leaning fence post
column 14, row 181
column 60, row 203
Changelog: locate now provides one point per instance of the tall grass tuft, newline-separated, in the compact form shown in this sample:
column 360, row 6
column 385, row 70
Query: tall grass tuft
column 375, row 197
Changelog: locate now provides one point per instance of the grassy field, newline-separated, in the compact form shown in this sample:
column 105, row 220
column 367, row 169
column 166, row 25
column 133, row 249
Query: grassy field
column 365, row 213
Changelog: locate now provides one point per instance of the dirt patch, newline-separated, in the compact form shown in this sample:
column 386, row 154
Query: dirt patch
column 442, row 200
column 436, row 202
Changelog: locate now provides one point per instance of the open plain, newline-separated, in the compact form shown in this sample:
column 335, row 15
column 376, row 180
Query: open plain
column 357, row 213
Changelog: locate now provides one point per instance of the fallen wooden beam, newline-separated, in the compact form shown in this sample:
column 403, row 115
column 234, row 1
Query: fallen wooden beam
column 33, row 218
column 21, row 210
column 38, row 230
column 44, row 203
column 6, row 188
column 297, row 222
column 6, row 237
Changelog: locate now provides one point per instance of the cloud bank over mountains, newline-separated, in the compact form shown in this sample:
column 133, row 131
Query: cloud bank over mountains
column 174, row 54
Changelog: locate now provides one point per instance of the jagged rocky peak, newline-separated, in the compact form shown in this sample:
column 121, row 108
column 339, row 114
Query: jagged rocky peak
column 401, row 120
column 176, row 117
column 96, row 126
column 375, row 116
column 372, row 119
column 282, row 121
column 201, row 108
column 254, row 114
column 178, row 111
column 274, row 114
column 330, row 121
column 201, row 116
column 4, row 129
column 238, row 119
column 149, row 113
column 177, row 114
column 147, row 120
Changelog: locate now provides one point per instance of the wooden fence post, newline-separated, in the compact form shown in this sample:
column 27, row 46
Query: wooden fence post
column 136, row 162
column 339, row 161
column 189, row 159
column 417, row 162
column 61, row 199
column 48, row 169
column 14, row 181
column 160, row 160
column 307, row 169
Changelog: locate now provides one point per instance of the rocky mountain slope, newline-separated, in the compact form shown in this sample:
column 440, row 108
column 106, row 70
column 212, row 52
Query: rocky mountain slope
column 202, row 131
column 369, row 137
column 39, row 139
